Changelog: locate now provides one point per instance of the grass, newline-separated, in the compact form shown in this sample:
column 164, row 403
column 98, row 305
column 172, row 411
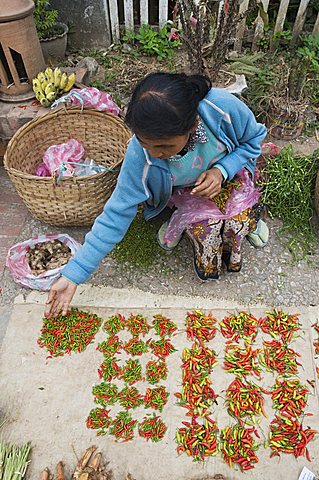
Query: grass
column 288, row 194
column 139, row 247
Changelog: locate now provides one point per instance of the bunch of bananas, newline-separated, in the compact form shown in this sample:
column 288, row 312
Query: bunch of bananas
column 50, row 84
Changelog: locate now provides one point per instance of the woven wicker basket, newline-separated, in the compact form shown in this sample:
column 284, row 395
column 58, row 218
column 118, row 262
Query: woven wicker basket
column 74, row 201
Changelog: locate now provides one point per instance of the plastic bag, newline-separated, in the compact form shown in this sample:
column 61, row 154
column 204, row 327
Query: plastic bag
column 59, row 155
column 87, row 167
column 192, row 209
column 19, row 267
column 90, row 97
column 42, row 171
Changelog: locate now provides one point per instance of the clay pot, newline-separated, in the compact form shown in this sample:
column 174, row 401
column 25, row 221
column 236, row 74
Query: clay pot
column 55, row 46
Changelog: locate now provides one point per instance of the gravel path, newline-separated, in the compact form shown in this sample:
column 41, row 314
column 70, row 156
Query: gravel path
column 268, row 275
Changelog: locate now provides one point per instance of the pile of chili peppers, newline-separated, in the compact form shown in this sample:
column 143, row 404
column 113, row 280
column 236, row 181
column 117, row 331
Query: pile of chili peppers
column 162, row 348
column 152, row 428
column 287, row 435
column 226, row 191
column 137, row 325
column 68, row 333
column 122, row 427
column 156, row 398
column 109, row 369
column 156, row 371
column 114, row 324
column 130, row 397
column 99, row 419
column 111, row 346
column 243, row 325
column 238, row 446
column 289, row 397
column 200, row 327
column 198, row 440
column 135, row 347
column 105, row 393
column 242, row 361
column 245, row 399
column 131, row 372
column 280, row 324
column 277, row 356
column 163, row 326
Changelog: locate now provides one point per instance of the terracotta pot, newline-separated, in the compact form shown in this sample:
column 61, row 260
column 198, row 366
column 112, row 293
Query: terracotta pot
column 283, row 124
column 55, row 46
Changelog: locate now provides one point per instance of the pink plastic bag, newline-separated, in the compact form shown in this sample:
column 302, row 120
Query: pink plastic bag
column 19, row 267
column 94, row 98
column 61, row 154
column 192, row 209
column 42, row 171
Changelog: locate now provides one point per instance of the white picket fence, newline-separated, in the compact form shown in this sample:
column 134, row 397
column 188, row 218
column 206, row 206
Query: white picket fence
column 163, row 17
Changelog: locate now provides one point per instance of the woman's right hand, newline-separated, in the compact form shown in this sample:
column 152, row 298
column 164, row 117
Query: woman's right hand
column 60, row 296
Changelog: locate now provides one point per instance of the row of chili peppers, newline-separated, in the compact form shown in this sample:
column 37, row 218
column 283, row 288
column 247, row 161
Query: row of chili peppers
column 244, row 325
column 123, row 425
column 289, row 396
column 138, row 325
column 129, row 397
column 198, row 437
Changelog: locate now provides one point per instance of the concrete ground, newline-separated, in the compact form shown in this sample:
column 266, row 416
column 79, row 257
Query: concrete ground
column 47, row 400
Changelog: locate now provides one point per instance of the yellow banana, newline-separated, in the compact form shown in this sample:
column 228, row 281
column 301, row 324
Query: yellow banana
column 70, row 83
column 44, row 102
column 44, row 85
column 64, row 81
column 51, row 96
column 49, row 88
column 39, row 95
column 57, row 76
column 41, row 77
column 49, row 74
column 36, row 84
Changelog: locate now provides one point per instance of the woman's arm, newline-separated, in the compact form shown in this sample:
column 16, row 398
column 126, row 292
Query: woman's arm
column 236, row 125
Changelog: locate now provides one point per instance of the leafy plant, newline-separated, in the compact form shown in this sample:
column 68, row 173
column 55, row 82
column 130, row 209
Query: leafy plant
column 152, row 42
column 309, row 51
column 288, row 194
column 45, row 19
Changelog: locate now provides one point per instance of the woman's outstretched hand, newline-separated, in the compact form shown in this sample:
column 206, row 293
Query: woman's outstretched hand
column 209, row 183
column 60, row 296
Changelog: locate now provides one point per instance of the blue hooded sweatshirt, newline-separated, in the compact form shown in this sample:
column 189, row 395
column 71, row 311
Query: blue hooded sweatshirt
column 147, row 180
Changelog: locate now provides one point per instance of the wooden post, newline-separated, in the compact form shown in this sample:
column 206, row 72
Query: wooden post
column 315, row 30
column 259, row 26
column 162, row 12
column 144, row 12
column 241, row 27
column 114, row 17
column 300, row 20
column 128, row 14
column 282, row 12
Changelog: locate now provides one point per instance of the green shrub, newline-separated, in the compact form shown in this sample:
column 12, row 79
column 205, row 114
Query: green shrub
column 45, row 19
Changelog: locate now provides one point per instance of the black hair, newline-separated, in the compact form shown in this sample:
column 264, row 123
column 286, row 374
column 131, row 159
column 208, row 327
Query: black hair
column 165, row 104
